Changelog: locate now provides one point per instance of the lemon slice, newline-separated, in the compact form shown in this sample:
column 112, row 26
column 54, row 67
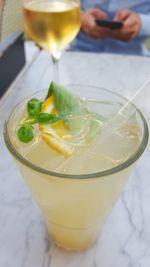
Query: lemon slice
column 54, row 134
column 56, row 143
column 48, row 105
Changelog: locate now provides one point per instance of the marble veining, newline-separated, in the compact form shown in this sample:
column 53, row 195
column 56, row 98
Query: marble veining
column 125, row 238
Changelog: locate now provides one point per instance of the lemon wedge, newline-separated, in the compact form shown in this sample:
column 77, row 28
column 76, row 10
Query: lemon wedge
column 48, row 105
column 54, row 134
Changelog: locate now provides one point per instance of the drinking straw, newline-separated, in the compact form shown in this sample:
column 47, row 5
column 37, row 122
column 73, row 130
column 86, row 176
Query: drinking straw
column 136, row 98
column 128, row 109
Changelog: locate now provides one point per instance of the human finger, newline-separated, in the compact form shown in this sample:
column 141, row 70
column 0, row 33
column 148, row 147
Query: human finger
column 122, row 15
column 99, row 14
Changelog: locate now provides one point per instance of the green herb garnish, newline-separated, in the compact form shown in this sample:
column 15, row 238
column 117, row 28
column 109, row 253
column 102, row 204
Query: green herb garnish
column 45, row 118
column 25, row 133
column 34, row 116
column 71, row 109
column 33, row 107
column 66, row 102
column 50, row 90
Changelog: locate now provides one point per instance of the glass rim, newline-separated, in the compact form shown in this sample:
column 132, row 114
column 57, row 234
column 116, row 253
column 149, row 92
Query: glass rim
column 133, row 158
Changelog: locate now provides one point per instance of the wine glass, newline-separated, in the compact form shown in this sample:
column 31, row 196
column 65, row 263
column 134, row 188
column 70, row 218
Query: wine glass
column 52, row 24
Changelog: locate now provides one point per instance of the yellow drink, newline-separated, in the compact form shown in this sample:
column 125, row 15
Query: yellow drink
column 76, row 194
column 52, row 24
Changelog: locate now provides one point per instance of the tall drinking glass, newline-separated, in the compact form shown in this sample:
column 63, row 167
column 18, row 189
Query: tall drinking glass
column 76, row 196
column 52, row 24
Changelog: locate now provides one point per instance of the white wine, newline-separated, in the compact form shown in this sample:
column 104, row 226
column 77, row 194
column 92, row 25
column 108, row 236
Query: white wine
column 52, row 24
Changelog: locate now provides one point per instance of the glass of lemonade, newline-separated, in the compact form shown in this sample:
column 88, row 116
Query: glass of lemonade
column 52, row 24
column 76, row 193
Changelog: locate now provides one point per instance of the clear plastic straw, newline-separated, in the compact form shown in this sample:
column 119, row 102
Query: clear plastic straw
column 141, row 99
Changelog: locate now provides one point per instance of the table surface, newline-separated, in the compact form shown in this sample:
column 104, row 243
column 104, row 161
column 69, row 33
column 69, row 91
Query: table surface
column 125, row 238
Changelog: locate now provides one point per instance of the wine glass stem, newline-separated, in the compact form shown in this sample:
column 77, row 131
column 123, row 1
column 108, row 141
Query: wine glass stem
column 55, row 69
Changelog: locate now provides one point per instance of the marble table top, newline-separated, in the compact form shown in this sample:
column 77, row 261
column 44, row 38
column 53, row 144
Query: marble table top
column 125, row 238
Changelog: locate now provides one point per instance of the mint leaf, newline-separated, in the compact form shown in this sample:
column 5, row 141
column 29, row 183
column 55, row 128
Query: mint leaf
column 66, row 103
column 73, row 110
column 50, row 90
column 69, row 106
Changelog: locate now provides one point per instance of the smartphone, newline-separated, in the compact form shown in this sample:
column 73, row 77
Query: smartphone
column 113, row 25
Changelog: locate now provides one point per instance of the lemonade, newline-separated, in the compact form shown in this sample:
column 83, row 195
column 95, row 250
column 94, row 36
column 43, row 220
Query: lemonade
column 77, row 189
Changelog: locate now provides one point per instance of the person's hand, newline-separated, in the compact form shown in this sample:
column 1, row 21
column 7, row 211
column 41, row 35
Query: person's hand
column 89, row 26
column 131, row 25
